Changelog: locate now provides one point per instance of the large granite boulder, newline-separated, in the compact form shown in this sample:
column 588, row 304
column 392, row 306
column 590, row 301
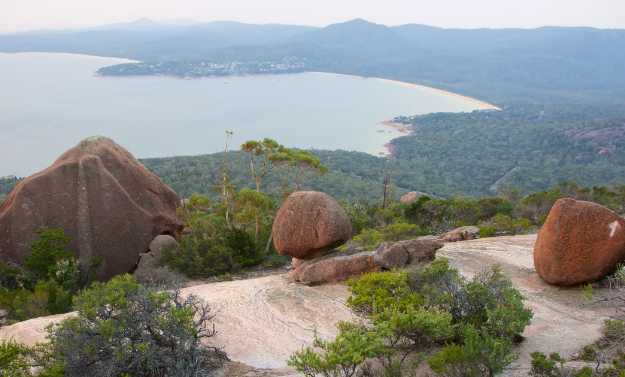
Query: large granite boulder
column 580, row 242
column 309, row 223
column 106, row 201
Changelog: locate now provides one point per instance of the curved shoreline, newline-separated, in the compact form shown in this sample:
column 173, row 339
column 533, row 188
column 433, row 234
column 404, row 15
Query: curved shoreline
column 481, row 105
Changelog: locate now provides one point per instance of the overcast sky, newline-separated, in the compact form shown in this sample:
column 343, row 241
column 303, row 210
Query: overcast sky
column 37, row 14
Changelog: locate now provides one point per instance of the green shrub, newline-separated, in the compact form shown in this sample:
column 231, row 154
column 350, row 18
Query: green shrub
column 49, row 256
column 440, row 285
column 159, row 277
column 14, row 360
column 589, row 353
column 487, row 231
column 415, row 328
column 45, row 285
column 213, row 248
column 224, row 237
column 493, row 305
column 342, row 357
column 125, row 329
column 614, row 329
column 370, row 239
column 543, row 366
column 48, row 297
column 501, row 223
column 479, row 355
column 400, row 231
column 468, row 327
column 617, row 279
column 10, row 276
column 374, row 292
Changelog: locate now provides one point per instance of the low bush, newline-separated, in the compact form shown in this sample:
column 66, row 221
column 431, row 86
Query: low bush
column 375, row 292
column 15, row 360
column 614, row 331
column 159, row 277
column 125, row 329
column 487, row 231
column 504, row 224
column 461, row 328
column 617, row 279
column 45, row 284
column 224, row 238
column 370, row 239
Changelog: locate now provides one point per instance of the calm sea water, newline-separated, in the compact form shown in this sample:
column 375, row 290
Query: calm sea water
column 49, row 102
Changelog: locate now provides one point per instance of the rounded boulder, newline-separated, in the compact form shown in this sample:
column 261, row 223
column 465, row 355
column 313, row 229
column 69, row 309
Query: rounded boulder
column 105, row 200
column 580, row 242
column 308, row 223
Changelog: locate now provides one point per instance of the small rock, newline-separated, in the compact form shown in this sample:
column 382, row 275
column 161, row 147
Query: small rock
column 410, row 197
column 463, row 233
column 333, row 268
column 161, row 243
column 399, row 254
column 391, row 255
column 150, row 260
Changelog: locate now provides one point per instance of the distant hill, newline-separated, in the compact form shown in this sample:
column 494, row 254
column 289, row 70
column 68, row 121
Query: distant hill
column 553, row 64
column 151, row 41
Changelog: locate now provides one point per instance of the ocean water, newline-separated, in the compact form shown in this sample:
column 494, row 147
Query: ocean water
column 49, row 102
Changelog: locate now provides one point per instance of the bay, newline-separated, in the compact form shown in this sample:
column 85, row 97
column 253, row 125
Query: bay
column 49, row 102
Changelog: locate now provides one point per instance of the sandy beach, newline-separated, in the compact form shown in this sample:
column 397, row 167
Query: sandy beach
column 481, row 105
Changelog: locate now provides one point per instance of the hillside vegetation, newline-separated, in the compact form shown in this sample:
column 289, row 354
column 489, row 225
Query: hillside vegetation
column 529, row 148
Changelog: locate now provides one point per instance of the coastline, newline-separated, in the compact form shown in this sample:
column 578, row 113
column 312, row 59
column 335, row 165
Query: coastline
column 401, row 129
column 481, row 105
column 396, row 130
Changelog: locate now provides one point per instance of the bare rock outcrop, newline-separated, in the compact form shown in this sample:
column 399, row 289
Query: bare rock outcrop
column 105, row 200
column 308, row 223
column 410, row 197
column 580, row 242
